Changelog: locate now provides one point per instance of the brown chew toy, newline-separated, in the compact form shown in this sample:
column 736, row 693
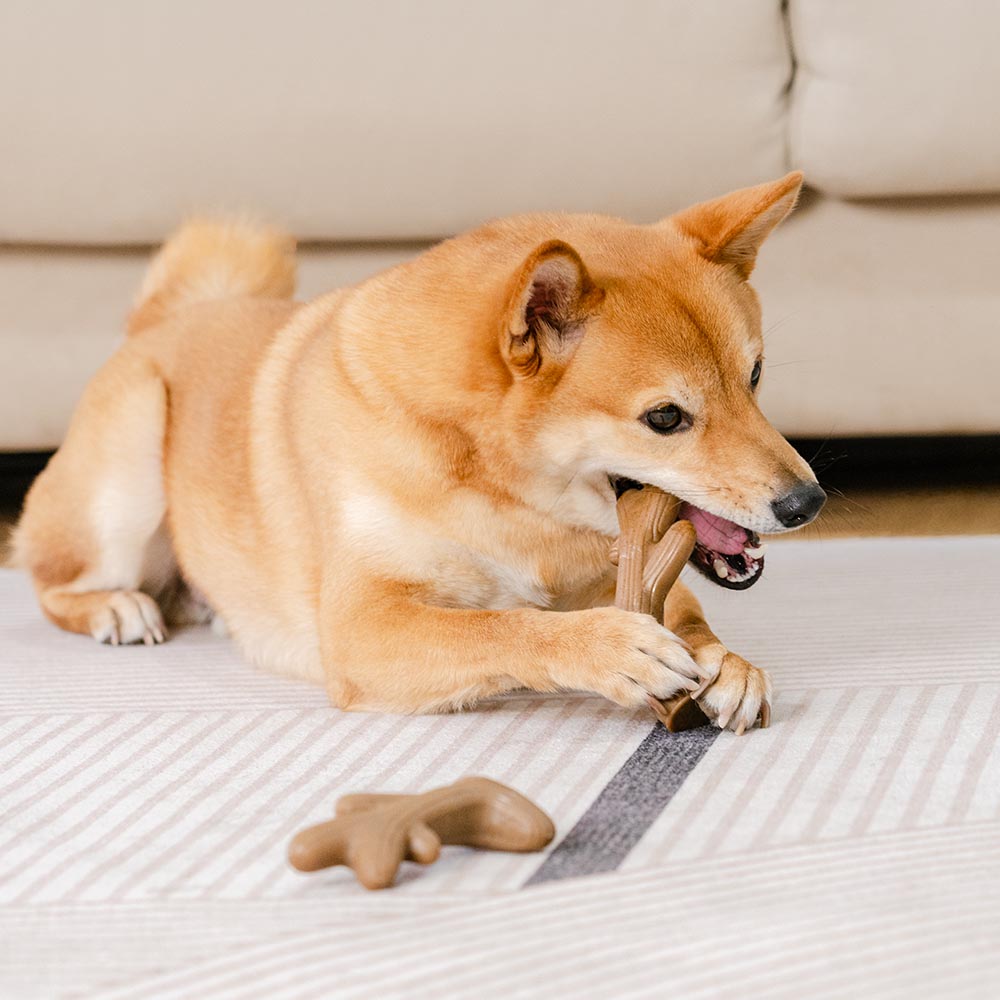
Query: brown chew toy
column 650, row 553
column 374, row 834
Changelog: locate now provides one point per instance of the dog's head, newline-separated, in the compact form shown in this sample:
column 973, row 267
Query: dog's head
column 636, row 354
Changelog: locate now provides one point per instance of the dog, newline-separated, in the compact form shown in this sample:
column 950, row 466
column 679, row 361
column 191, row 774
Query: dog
column 405, row 490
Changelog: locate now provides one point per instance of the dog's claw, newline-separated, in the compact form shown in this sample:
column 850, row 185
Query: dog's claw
column 741, row 728
column 127, row 617
column 765, row 714
column 705, row 685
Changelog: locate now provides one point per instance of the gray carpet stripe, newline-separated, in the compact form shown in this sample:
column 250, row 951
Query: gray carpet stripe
column 629, row 803
column 510, row 771
column 573, row 793
column 556, row 767
column 724, row 759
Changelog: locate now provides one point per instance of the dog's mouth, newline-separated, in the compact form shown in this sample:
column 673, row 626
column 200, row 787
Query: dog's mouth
column 727, row 553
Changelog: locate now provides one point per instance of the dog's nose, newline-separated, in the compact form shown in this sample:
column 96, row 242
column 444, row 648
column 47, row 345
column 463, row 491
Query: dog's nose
column 800, row 506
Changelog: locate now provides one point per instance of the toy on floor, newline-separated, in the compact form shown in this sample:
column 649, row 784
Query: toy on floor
column 373, row 834
column 650, row 553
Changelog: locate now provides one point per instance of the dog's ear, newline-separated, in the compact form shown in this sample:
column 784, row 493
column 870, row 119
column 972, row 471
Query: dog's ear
column 551, row 297
column 729, row 230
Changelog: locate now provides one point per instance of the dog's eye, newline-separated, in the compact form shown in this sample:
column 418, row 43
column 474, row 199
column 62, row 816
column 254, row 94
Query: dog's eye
column 755, row 374
column 665, row 419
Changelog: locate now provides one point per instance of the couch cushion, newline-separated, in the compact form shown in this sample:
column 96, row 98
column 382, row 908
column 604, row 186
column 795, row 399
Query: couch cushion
column 896, row 97
column 64, row 315
column 880, row 319
column 381, row 120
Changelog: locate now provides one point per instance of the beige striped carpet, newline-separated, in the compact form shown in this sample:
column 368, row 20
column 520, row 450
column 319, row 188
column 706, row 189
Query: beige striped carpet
column 851, row 850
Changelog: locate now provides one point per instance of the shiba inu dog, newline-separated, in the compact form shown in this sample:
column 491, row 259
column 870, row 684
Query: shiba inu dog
column 405, row 490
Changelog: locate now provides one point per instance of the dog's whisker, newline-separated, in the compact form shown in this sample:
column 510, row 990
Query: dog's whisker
column 844, row 498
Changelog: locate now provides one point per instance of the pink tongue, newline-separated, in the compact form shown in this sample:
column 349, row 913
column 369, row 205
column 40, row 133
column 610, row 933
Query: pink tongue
column 715, row 533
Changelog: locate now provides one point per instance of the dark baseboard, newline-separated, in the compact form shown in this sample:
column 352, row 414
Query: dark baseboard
column 841, row 463
column 901, row 462
column 17, row 471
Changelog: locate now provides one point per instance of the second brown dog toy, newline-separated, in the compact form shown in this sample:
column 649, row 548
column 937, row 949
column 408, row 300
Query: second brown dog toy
column 652, row 549
column 375, row 834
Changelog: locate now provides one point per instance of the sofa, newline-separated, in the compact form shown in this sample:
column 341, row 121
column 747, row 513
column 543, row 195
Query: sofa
column 372, row 129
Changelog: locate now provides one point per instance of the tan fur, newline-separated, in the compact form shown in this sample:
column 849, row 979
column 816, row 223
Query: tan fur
column 209, row 260
column 400, row 489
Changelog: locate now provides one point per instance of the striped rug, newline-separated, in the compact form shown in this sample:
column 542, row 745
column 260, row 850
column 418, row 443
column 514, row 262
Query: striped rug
column 853, row 848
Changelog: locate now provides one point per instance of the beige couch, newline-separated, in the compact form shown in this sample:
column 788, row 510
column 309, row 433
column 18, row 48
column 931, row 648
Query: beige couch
column 372, row 128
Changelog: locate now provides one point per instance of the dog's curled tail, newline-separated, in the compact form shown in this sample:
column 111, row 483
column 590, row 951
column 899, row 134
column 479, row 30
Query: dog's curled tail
column 214, row 259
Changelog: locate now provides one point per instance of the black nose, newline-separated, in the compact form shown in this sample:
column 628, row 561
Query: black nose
column 800, row 506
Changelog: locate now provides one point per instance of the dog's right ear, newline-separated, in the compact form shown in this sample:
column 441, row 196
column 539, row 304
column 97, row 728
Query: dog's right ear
column 551, row 297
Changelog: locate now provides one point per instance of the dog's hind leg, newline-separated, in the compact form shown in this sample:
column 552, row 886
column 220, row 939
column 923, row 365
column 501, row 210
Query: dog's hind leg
column 92, row 534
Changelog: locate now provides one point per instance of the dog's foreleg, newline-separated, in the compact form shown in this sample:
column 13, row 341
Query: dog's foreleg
column 383, row 649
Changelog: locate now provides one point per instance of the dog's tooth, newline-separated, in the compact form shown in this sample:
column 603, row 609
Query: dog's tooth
column 755, row 553
column 721, row 569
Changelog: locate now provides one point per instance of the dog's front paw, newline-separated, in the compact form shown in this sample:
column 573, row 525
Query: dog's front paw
column 740, row 693
column 626, row 656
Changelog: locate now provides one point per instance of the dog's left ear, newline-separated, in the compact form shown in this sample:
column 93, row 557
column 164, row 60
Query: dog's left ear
column 730, row 229
column 551, row 297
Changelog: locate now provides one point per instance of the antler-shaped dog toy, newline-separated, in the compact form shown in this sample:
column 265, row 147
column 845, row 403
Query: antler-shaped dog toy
column 650, row 553
column 374, row 834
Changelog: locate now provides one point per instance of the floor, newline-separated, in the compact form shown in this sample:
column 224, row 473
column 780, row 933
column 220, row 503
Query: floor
column 153, row 796
column 972, row 510
column 149, row 795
